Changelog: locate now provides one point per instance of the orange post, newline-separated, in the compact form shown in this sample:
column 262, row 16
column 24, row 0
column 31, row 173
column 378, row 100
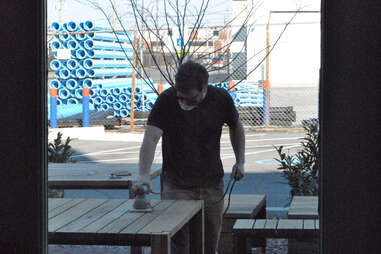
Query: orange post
column 53, row 92
column 267, row 80
column 230, row 85
column 133, row 85
column 86, row 91
column 160, row 88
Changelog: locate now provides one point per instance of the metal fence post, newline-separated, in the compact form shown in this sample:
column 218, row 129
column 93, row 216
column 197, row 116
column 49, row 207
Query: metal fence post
column 85, row 107
column 53, row 107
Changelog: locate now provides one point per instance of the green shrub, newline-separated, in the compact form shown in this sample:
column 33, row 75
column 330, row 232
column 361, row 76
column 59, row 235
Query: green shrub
column 58, row 152
column 301, row 169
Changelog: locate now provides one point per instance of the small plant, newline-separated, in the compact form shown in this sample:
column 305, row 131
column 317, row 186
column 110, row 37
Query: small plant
column 301, row 169
column 58, row 152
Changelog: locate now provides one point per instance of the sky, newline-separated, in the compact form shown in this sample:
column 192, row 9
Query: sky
column 217, row 12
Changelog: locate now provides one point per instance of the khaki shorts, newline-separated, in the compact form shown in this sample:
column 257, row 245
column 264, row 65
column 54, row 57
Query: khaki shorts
column 213, row 209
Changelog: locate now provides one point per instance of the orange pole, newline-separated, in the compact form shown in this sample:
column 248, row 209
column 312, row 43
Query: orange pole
column 160, row 88
column 267, row 80
column 230, row 85
column 133, row 85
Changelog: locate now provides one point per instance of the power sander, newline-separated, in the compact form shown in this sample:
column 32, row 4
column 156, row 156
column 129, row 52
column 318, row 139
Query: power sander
column 142, row 202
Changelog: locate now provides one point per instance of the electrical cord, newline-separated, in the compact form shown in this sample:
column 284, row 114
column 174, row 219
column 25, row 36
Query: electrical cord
column 223, row 196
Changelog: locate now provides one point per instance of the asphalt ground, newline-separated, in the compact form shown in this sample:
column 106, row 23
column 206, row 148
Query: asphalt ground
column 261, row 174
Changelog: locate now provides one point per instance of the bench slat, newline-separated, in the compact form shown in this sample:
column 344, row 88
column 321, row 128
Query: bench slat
column 309, row 224
column 259, row 224
column 290, row 224
column 243, row 224
column 271, row 224
column 53, row 203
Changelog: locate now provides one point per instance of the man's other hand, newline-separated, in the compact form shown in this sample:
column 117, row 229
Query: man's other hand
column 238, row 171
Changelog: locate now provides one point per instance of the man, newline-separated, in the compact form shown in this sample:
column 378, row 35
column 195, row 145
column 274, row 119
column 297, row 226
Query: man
column 189, row 117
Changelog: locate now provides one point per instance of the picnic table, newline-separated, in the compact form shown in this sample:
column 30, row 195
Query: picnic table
column 109, row 222
column 304, row 207
column 94, row 175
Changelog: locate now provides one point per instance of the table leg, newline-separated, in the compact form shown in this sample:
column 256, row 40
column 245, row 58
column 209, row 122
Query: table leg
column 197, row 241
column 160, row 244
column 259, row 242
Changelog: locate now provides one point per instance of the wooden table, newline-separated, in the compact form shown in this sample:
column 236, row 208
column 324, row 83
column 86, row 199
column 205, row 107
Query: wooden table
column 94, row 175
column 109, row 222
column 304, row 207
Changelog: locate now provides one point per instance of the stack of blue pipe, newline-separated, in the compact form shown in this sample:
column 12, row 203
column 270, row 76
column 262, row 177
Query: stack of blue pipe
column 100, row 61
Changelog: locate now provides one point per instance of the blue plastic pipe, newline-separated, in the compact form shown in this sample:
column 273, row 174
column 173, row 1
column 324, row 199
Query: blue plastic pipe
column 64, row 73
column 81, row 53
column 80, row 37
column 96, row 53
column 78, row 93
column 109, row 72
column 63, row 93
column 87, row 83
column 81, row 73
column 55, row 45
column 110, row 99
column 124, row 113
column 98, row 100
column 116, row 91
column 103, row 92
column 111, row 37
column 56, row 27
column 123, row 98
column 71, row 84
column 117, row 105
column 72, row 101
column 72, row 64
column 55, row 64
column 72, row 44
column 92, row 63
column 92, row 44
column 104, row 107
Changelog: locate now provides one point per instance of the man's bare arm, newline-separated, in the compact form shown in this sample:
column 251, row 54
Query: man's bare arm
column 237, row 138
column 152, row 135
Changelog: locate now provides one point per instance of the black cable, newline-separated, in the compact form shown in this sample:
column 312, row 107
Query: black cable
column 230, row 193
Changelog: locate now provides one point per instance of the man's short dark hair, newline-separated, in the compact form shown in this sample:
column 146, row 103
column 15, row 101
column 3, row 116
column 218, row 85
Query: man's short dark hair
column 191, row 75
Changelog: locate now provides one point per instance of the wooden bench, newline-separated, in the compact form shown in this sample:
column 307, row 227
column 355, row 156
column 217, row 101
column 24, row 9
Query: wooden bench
column 244, row 229
column 304, row 207
column 242, row 206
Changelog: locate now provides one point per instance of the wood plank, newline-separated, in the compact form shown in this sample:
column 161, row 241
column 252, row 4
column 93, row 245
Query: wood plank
column 108, row 218
column 125, row 220
column 137, row 225
column 317, row 225
column 246, row 198
column 244, row 224
column 290, row 224
column 53, row 203
column 271, row 224
column 259, row 224
column 309, row 224
column 73, row 214
column 91, row 216
column 63, row 208
column 174, row 218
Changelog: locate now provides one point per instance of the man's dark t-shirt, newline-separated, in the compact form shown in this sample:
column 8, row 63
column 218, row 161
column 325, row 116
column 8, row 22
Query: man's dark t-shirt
column 191, row 139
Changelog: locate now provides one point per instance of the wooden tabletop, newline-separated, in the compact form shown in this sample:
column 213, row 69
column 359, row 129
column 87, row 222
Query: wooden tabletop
column 94, row 175
column 304, row 207
column 110, row 222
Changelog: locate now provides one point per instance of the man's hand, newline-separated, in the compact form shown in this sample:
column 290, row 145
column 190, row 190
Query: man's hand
column 140, row 180
column 238, row 171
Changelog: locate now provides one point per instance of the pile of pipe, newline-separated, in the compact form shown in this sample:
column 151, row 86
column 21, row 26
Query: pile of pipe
column 99, row 60
column 247, row 94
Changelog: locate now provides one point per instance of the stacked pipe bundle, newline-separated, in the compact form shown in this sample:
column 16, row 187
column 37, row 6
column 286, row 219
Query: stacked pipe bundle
column 248, row 95
column 98, row 60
